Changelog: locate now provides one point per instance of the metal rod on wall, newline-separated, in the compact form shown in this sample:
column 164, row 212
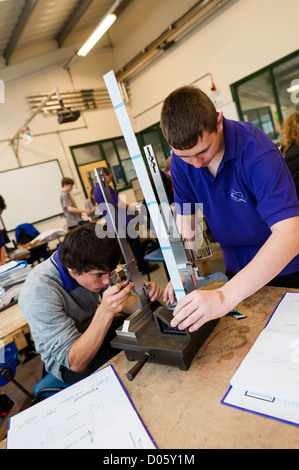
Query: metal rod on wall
column 14, row 142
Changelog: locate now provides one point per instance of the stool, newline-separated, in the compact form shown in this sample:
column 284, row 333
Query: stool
column 156, row 257
column 47, row 386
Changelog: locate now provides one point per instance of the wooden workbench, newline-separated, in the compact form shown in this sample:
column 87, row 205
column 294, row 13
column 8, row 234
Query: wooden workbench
column 13, row 326
column 182, row 409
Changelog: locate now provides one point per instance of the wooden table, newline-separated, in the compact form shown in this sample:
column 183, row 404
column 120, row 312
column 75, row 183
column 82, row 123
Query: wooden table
column 13, row 326
column 182, row 409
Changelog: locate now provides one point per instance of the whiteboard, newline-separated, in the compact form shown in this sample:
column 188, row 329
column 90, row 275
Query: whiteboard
column 31, row 193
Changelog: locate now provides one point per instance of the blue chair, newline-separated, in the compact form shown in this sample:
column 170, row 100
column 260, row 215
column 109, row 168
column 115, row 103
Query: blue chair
column 156, row 257
column 47, row 386
column 8, row 367
column 25, row 233
column 215, row 277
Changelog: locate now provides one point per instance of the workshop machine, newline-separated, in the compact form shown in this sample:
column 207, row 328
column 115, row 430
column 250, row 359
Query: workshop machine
column 147, row 334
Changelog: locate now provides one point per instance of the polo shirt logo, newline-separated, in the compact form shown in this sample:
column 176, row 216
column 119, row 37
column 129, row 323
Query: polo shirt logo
column 237, row 196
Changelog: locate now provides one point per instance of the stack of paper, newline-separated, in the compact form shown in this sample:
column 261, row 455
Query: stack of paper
column 11, row 267
column 49, row 235
column 12, row 278
column 267, row 381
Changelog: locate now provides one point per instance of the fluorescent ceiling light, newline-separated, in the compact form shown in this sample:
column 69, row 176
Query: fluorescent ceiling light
column 97, row 34
column 293, row 88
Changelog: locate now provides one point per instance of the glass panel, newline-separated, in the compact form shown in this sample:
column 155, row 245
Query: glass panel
column 129, row 169
column 153, row 138
column 87, row 154
column 258, row 106
column 286, row 75
column 262, row 118
column 124, row 155
column 88, row 175
column 114, row 164
column 122, row 149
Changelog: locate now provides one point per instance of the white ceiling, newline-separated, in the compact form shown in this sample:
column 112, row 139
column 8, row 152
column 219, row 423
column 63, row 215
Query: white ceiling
column 37, row 35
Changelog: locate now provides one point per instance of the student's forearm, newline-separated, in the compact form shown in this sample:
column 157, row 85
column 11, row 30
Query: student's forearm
column 75, row 210
column 85, row 348
column 2, row 255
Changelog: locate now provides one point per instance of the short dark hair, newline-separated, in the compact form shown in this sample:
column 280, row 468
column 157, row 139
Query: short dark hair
column 106, row 171
column 186, row 113
column 83, row 251
column 2, row 204
column 65, row 180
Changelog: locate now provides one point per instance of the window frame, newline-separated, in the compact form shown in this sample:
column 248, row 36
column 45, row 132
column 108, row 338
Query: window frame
column 269, row 69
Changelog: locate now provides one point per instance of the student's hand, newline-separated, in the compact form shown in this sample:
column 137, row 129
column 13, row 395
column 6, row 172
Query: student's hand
column 198, row 307
column 154, row 291
column 88, row 212
column 169, row 291
column 115, row 297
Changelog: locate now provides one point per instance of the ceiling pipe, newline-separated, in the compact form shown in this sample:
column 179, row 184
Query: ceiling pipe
column 160, row 42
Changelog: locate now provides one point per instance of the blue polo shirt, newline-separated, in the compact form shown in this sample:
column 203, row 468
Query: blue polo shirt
column 253, row 189
column 2, row 241
column 69, row 283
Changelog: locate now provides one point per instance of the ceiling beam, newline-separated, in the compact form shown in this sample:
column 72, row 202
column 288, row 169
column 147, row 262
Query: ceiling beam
column 26, row 12
column 72, row 21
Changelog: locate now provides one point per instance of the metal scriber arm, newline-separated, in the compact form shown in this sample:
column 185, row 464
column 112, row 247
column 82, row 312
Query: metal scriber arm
column 130, row 266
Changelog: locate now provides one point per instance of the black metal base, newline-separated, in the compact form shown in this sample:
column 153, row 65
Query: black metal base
column 175, row 348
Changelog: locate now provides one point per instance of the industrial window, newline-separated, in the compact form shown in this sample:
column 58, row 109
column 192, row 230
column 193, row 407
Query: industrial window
column 114, row 154
column 267, row 97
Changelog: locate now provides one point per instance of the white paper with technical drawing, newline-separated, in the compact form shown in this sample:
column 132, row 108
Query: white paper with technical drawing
column 95, row 413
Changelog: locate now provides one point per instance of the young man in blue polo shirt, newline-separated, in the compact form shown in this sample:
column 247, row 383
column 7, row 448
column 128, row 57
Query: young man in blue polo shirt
column 70, row 327
column 248, row 198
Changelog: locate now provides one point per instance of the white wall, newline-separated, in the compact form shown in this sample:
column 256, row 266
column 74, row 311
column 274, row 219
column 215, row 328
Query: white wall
column 245, row 37
column 52, row 140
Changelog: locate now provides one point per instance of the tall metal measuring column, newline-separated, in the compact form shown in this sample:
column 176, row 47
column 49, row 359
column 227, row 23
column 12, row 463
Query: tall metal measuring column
column 156, row 341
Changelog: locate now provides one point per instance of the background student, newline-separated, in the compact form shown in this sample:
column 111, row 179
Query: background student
column 69, row 207
column 91, row 204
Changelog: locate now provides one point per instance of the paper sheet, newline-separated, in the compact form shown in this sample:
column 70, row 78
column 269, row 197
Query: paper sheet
column 272, row 365
column 283, row 410
column 267, row 381
column 93, row 413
